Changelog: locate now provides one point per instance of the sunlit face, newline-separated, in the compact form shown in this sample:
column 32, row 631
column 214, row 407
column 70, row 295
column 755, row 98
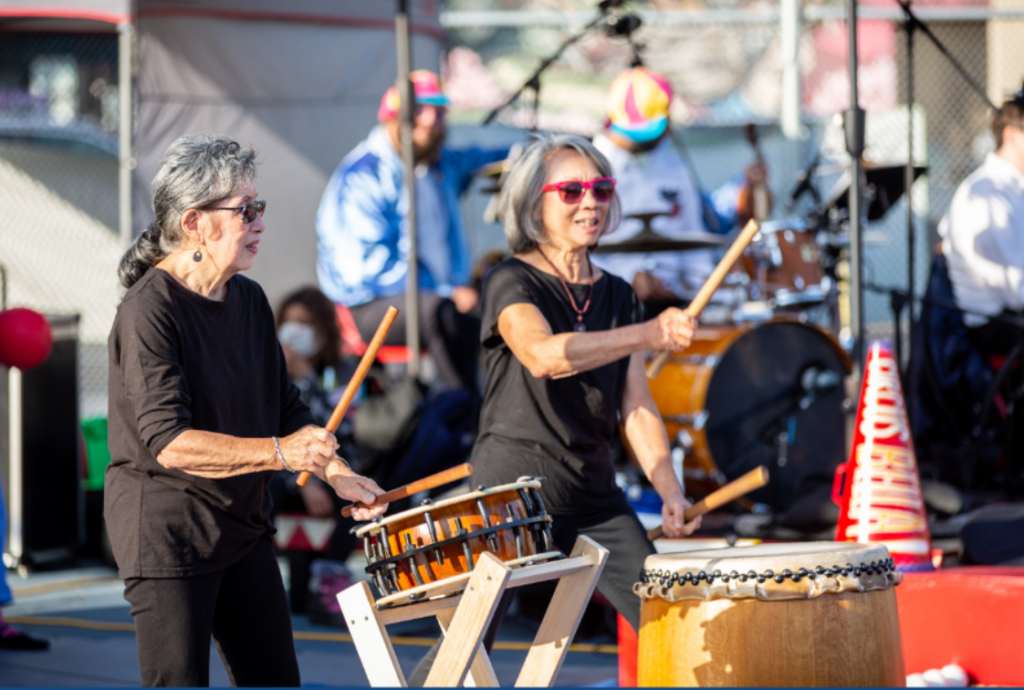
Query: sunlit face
column 572, row 226
column 230, row 243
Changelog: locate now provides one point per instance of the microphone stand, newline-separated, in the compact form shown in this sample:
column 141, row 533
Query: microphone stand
column 533, row 82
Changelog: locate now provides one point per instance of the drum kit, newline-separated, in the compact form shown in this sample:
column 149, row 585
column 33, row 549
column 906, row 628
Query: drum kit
column 760, row 384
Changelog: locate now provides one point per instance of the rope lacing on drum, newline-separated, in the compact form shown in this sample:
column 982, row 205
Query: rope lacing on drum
column 667, row 579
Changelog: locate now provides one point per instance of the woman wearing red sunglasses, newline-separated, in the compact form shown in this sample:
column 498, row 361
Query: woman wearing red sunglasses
column 565, row 345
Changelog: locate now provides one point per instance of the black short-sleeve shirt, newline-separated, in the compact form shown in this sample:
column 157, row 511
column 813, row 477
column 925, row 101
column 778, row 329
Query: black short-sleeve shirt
column 179, row 361
column 560, row 429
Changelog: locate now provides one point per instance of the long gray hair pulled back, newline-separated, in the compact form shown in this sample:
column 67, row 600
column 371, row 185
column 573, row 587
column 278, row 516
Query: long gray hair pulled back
column 195, row 171
column 522, row 196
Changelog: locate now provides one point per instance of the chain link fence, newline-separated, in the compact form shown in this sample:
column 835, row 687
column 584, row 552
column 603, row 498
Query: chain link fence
column 59, row 237
column 726, row 60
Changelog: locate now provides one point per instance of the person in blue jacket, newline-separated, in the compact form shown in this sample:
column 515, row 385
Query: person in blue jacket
column 362, row 233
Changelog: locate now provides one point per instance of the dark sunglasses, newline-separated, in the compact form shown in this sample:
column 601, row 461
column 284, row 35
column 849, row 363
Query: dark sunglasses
column 603, row 189
column 249, row 211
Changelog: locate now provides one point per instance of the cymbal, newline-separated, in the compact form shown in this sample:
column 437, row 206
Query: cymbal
column 648, row 241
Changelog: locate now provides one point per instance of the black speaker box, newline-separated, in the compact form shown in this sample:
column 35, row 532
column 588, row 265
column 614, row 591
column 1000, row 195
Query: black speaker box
column 40, row 454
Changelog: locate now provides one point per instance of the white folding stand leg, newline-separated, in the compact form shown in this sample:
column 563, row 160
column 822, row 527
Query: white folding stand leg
column 562, row 618
column 465, row 617
column 481, row 673
column 461, row 642
column 370, row 637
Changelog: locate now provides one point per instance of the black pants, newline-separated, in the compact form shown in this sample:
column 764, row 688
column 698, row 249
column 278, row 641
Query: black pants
column 617, row 530
column 996, row 337
column 243, row 607
column 451, row 338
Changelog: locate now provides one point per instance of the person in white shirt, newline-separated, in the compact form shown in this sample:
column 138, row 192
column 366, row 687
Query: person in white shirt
column 651, row 177
column 983, row 236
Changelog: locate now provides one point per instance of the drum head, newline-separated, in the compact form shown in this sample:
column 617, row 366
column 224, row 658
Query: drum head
column 755, row 395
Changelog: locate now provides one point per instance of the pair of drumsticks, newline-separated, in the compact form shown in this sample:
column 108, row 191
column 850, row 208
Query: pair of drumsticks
column 741, row 486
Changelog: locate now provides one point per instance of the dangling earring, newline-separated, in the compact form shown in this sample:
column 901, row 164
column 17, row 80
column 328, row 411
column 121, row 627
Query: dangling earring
column 197, row 256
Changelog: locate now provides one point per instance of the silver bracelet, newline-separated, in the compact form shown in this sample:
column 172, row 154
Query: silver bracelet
column 280, row 455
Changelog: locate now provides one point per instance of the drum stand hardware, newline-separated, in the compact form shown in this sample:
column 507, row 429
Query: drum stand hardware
column 464, row 618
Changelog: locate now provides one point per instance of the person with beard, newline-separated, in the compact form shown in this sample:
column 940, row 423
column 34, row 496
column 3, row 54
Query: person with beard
column 362, row 230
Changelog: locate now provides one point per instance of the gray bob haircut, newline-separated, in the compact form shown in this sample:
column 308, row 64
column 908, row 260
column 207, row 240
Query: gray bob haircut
column 195, row 171
column 519, row 206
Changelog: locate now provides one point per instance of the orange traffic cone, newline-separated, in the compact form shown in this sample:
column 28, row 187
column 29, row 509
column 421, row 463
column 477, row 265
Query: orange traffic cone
column 879, row 489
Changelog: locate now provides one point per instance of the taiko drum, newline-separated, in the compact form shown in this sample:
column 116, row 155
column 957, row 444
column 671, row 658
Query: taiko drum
column 411, row 553
column 807, row 614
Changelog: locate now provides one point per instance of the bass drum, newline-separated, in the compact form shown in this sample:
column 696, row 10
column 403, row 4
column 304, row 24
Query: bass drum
column 757, row 394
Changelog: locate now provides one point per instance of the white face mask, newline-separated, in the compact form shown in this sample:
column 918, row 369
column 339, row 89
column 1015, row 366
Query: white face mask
column 300, row 337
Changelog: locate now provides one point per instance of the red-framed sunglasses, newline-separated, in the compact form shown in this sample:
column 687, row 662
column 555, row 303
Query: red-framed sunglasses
column 603, row 189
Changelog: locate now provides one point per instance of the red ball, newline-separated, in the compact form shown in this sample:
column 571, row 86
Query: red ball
column 25, row 338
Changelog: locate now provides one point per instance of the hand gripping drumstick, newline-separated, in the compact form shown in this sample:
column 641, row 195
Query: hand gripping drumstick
column 357, row 379
column 708, row 289
column 432, row 482
column 753, row 479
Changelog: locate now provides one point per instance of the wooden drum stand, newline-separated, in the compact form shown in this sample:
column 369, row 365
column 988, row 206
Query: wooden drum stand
column 467, row 611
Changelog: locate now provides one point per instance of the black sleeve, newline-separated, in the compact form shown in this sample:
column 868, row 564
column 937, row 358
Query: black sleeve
column 505, row 285
column 154, row 381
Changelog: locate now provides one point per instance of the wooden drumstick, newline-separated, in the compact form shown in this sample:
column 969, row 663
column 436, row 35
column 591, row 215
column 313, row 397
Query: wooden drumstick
column 708, row 289
column 357, row 379
column 453, row 474
column 754, row 479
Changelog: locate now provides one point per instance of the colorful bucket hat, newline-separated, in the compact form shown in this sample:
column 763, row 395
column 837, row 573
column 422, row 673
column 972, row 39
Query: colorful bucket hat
column 638, row 104
column 428, row 92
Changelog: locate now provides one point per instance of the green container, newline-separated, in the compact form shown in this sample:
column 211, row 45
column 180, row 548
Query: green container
column 97, row 455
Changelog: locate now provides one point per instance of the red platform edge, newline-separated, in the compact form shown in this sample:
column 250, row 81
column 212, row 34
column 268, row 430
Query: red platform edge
column 970, row 616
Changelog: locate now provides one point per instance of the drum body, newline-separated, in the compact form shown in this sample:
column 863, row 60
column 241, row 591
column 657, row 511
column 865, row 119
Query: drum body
column 765, row 616
column 421, row 547
column 737, row 387
column 785, row 266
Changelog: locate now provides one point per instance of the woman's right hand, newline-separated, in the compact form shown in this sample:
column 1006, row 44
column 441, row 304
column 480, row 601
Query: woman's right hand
column 671, row 330
column 309, row 449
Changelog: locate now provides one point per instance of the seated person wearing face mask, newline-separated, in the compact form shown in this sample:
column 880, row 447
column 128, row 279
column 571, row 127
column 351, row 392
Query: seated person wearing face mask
column 308, row 331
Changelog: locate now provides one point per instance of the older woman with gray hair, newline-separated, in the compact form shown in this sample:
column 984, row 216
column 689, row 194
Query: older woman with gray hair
column 202, row 413
column 565, row 346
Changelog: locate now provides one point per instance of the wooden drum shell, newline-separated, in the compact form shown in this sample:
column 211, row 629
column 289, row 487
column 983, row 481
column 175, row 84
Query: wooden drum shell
column 431, row 550
column 839, row 640
column 447, row 520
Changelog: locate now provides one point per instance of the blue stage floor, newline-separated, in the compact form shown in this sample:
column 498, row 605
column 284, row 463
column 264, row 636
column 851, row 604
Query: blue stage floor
column 86, row 619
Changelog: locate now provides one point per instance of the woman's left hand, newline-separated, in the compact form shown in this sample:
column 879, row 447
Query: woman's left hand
column 356, row 488
column 673, row 523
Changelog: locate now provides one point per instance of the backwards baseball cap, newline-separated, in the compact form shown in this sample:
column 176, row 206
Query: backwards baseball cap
column 428, row 92
column 638, row 104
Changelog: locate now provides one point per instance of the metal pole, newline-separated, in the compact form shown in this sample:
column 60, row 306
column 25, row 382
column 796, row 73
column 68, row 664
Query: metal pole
column 854, row 124
column 125, row 62
column 908, row 177
column 407, row 109
column 791, row 17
